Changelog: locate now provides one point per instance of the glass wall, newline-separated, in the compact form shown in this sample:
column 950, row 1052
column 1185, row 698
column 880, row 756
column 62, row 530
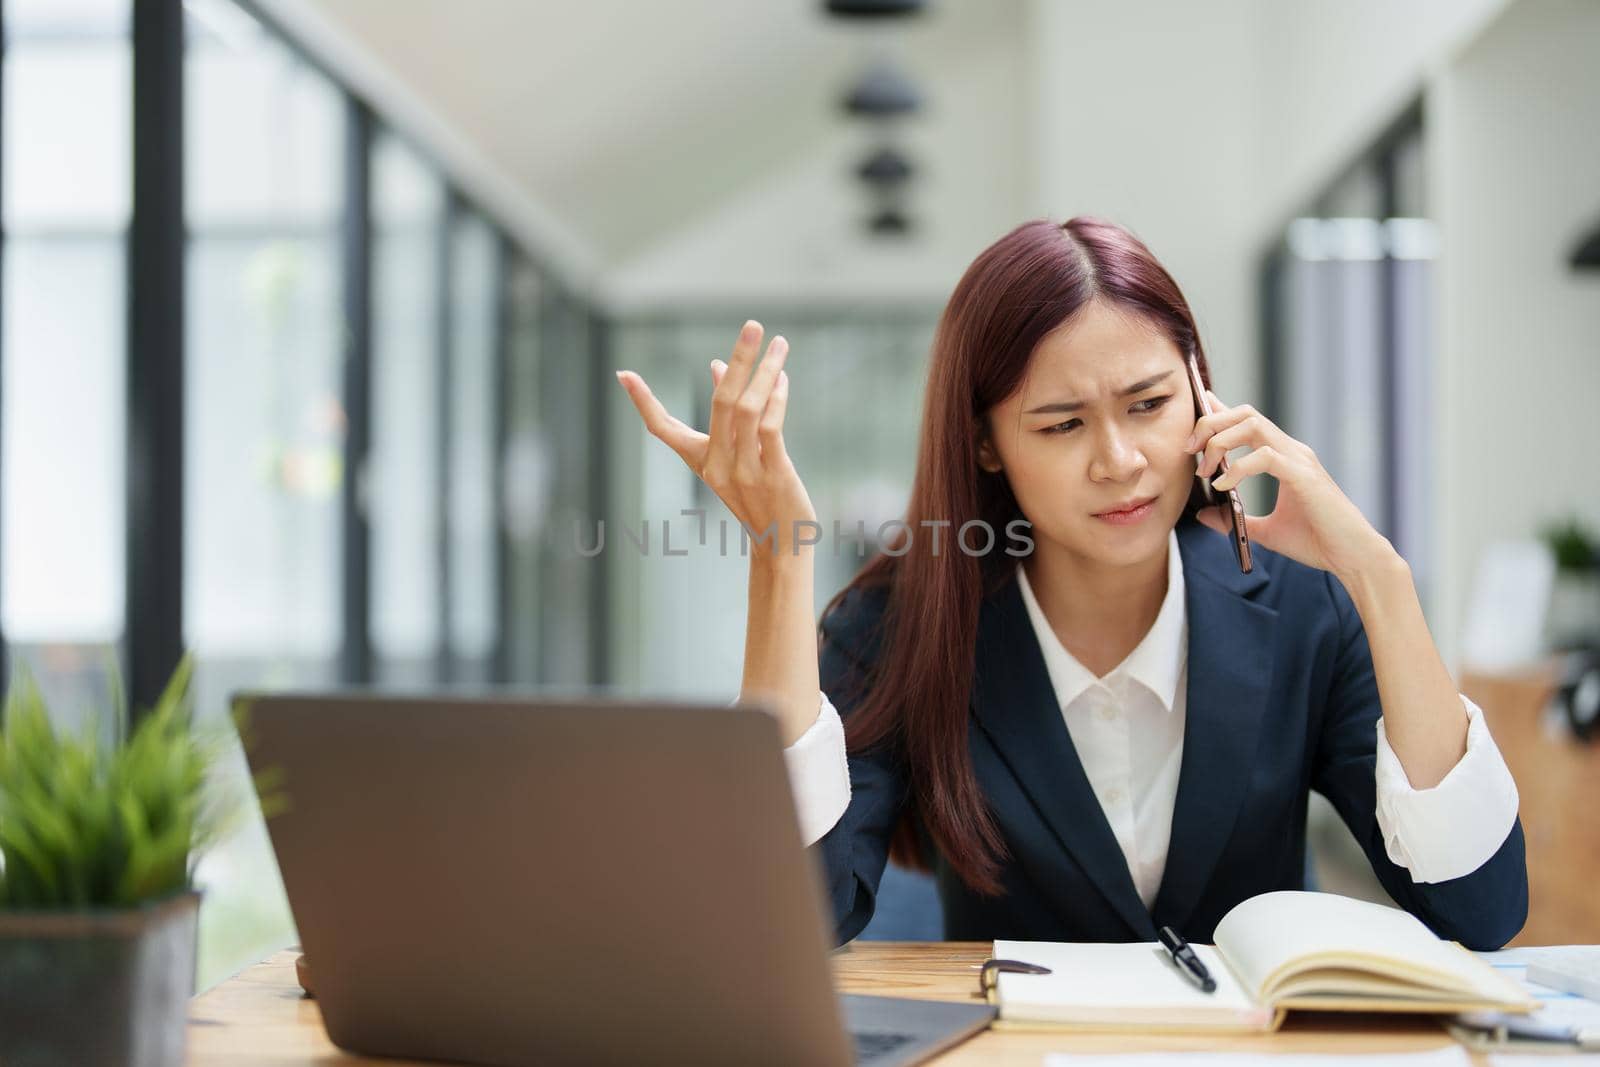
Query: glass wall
column 264, row 417
column 472, row 608
column 568, row 372
column 403, row 468
column 65, row 211
column 480, row 407
column 527, row 476
column 856, row 385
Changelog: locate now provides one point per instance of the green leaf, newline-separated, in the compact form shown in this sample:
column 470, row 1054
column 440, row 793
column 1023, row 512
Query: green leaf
column 90, row 822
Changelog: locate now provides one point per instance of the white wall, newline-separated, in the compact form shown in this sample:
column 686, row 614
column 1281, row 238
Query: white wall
column 1332, row 75
column 1145, row 112
column 1515, row 174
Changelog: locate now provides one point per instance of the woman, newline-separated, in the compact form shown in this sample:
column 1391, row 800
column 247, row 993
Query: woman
column 1119, row 729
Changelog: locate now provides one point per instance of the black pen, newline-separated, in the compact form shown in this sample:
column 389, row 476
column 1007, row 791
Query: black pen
column 1187, row 961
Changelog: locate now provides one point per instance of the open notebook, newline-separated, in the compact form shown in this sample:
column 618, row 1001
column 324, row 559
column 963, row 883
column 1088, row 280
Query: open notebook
column 1274, row 952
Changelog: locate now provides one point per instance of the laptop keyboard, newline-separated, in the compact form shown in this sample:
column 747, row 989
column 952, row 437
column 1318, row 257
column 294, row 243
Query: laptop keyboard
column 874, row 1045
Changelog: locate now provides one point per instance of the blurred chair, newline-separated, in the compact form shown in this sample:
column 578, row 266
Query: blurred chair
column 908, row 908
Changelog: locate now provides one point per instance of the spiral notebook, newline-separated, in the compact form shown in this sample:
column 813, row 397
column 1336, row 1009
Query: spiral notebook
column 1274, row 953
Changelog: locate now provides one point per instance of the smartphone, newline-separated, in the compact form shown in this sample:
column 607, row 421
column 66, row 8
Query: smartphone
column 1229, row 499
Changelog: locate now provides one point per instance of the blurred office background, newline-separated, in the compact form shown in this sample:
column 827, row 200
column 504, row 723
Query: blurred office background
column 310, row 307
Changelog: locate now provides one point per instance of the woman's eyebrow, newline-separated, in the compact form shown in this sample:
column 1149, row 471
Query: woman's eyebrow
column 1074, row 405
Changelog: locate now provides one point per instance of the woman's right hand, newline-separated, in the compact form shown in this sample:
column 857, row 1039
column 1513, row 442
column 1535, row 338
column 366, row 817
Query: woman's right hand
column 742, row 459
column 744, row 462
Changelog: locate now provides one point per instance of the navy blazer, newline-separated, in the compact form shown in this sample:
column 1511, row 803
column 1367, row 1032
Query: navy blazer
column 1282, row 700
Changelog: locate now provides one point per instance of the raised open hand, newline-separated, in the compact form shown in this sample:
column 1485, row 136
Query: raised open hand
column 743, row 458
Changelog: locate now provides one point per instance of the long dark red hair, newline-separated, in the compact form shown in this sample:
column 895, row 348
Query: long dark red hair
column 1026, row 284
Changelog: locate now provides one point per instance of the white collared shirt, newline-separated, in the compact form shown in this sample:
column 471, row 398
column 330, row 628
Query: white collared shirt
column 1127, row 728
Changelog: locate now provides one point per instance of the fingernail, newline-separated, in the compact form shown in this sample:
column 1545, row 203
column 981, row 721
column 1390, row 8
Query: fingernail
column 619, row 375
column 749, row 331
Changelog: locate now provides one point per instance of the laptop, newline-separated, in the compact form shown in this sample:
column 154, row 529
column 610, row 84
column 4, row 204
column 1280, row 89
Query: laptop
column 535, row 881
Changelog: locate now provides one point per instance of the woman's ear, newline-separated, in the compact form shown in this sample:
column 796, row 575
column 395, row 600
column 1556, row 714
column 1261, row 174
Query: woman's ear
column 988, row 459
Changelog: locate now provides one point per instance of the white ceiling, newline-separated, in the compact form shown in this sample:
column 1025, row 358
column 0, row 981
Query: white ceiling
column 625, row 122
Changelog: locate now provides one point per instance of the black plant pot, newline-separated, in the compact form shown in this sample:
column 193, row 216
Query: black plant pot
column 97, row 987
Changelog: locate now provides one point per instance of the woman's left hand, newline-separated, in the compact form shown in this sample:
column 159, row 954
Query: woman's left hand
column 1313, row 521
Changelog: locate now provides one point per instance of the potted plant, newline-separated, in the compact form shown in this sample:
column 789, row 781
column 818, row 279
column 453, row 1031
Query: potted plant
column 1574, row 614
column 98, row 840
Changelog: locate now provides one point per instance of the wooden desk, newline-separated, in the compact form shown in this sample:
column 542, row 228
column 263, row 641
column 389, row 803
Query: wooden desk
column 259, row 1017
column 1558, row 782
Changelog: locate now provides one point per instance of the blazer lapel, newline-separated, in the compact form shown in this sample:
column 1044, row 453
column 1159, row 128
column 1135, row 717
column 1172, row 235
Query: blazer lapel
column 1231, row 656
column 1016, row 708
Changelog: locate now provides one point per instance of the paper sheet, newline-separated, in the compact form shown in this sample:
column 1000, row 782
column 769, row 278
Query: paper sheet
column 1555, row 1006
column 1454, row 1056
column 1127, row 982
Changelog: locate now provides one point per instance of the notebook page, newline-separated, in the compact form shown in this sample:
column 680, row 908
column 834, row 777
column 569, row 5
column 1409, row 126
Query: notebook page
column 1453, row 1056
column 1265, row 932
column 1119, row 983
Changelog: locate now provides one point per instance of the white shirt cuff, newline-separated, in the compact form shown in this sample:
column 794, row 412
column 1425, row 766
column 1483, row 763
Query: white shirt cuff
column 1453, row 828
column 819, row 773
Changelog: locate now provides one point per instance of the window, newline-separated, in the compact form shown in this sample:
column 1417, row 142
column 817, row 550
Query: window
column 65, row 212
column 265, row 423
column 851, row 430
column 402, row 477
column 472, row 609
column 472, row 374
